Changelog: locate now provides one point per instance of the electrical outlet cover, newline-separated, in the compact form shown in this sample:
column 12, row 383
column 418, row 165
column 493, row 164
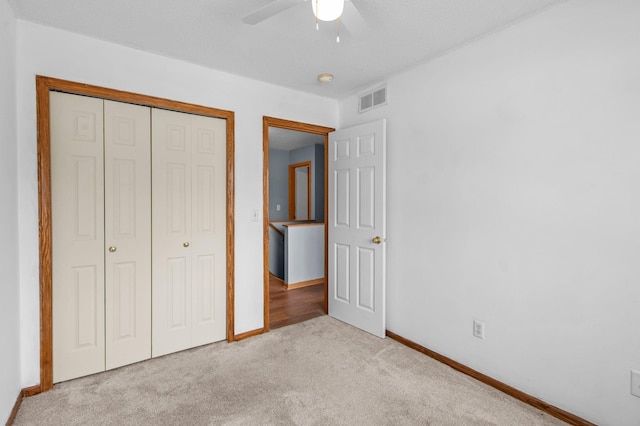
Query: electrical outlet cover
column 478, row 329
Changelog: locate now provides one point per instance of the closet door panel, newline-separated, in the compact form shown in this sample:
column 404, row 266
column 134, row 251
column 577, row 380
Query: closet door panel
column 171, row 231
column 127, row 136
column 77, row 198
column 209, row 229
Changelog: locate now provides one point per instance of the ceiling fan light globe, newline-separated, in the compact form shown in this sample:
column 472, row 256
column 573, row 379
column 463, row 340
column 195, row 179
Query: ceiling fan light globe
column 327, row 10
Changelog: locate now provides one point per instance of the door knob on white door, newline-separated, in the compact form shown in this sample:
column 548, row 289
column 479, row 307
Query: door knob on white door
column 186, row 244
column 377, row 240
column 112, row 249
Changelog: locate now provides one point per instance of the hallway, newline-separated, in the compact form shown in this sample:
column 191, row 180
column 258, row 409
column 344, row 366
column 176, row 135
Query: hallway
column 288, row 307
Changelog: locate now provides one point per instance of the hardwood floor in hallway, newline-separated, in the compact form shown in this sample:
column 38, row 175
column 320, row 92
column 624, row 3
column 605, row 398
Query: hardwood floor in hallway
column 288, row 307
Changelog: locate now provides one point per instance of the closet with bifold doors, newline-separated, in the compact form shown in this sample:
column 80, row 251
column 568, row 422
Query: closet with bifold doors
column 138, row 202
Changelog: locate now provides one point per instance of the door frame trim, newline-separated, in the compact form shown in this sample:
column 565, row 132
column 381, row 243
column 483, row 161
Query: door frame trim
column 300, row 127
column 45, row 85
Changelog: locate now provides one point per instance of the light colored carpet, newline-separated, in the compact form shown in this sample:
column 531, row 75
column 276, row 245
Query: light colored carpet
column 319, row 372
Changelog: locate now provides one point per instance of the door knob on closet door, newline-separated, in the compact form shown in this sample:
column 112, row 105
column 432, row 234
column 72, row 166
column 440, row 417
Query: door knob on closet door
column 377, row 240
column 112, row 249
column 186, row 244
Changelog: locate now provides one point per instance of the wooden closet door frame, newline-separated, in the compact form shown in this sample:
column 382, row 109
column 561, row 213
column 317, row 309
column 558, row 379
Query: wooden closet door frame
column 44, row 85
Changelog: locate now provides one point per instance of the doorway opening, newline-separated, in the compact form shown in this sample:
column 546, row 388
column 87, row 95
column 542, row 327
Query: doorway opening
column 294, row 171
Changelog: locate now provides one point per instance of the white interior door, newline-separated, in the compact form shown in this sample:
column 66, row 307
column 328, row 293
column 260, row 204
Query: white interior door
column 127, row 163
column 189, row 230
column 77, row 202
column 357, row 174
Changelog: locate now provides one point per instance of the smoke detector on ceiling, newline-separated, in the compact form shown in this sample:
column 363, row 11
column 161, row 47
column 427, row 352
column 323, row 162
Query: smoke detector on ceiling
column 325, row 78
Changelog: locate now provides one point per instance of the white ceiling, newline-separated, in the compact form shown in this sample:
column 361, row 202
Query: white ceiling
column 286, row 49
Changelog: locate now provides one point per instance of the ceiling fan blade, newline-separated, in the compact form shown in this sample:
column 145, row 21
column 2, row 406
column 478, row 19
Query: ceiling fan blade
column 352, row 20
column 268, row 11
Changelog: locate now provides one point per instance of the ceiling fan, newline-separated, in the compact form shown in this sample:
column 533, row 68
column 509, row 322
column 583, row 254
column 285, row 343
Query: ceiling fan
column 350, row 17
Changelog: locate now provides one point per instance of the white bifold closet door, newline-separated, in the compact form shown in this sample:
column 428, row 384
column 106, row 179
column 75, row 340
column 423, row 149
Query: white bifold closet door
column 100, row 187
column 127, row 212
column 189, row 230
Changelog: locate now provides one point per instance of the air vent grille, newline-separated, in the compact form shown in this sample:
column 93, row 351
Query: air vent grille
column 366, row 102
column 372, row 99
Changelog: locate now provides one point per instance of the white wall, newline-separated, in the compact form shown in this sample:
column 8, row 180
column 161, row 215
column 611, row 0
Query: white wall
column 60, row 54
column 9, row 287
column 278, row 184
column 514, row 198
